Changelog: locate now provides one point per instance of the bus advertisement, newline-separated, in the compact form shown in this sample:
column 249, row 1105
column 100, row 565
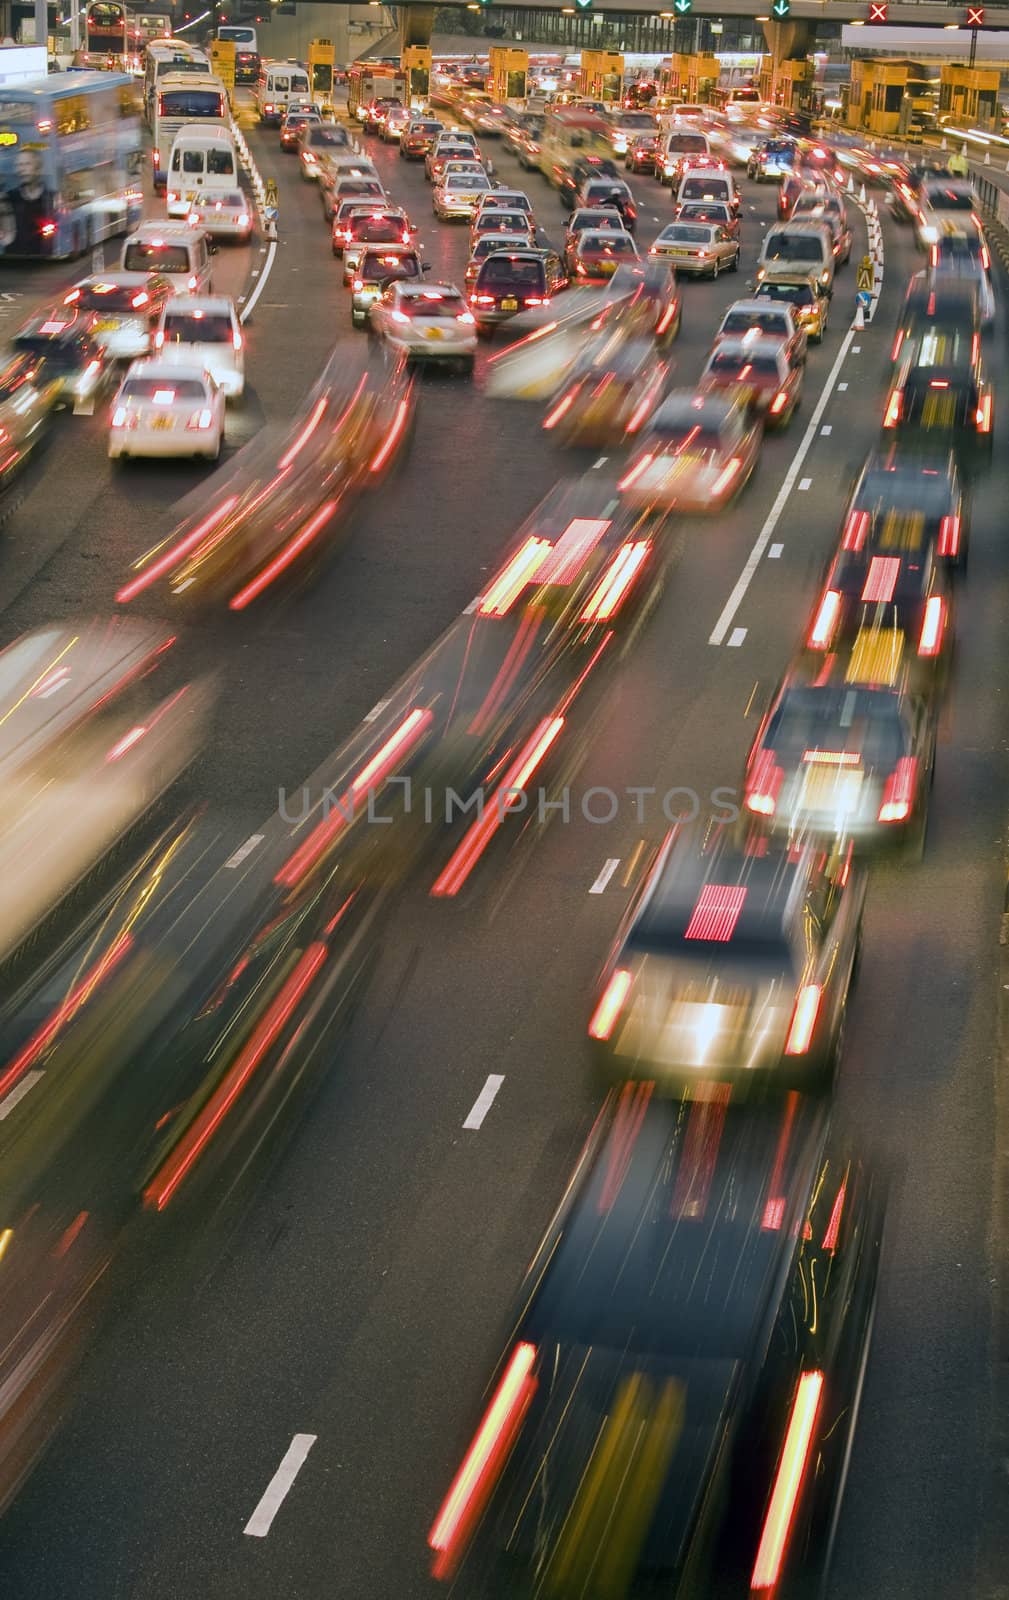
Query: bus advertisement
column 70, row 164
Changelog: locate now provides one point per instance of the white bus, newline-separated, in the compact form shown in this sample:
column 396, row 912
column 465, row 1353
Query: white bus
column 178, row 100
column 242, row 37
column 173, row 56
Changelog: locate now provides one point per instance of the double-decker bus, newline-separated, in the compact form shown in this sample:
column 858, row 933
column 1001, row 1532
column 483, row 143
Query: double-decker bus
column 70, row 161
column 121, row 33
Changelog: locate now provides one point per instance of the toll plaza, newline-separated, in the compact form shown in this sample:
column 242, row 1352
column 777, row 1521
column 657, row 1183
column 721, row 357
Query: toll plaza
column 877, row 95
column 416, row 63
column 788, row 84
column 321, row 70
column 508, row 75
column 703, row 71
column 222, row 59
column 602, row 75
column 969, row 95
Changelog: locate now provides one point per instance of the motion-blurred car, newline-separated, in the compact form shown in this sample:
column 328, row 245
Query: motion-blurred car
column 964, row 256
column 733, row 962
column 699, row 185
column 909, row 504
column 446, row 148
column 502, row 199
column 672, row 1398
column 943, row 200
column 713, row 211
column 350, row 208
column 501, row 221
column 627, row 126
column 788, row 193
column 418, row 137
column 571, row 180
column 758, row 372
column 613, row 195
column 528, row 145
column 93, row 729
column 698, row 452
column 591, row 217
column 798, row 247
column 772, row 161
column 223, row 216
column 847, row 749
column 291, row 126
column 805, row 296
column 596, row 256
column 426, row 322
column 379, row 266
column 942, row 306
column 376, row 111
column 203, row 331
column 941, row 395
column 394, row 124
column 337, row 188
column 644, row 153
column 373, row 226
column 27, row 398
column 162, row 409
column 76, row 366
column 701, row 249
column 122, row 307
column 610, row 394
column 831, row 210
column 318, row 142
column 507, row 283
column 456, row 195
column 765, row 319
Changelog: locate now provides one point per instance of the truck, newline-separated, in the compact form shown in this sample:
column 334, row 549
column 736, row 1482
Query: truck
column 569, row 134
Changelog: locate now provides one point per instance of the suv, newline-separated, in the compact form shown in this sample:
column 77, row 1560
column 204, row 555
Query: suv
column 805, row 247
column 506, row 284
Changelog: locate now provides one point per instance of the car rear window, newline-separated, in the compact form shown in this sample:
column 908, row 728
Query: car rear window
column 698, row 188
column 614, row 244
column 375, row 269
column 109, row 297
column 435, row 305
column 949, row 199
column 728, row 363
column 793, row 247
column 688, row 143
column 766, row 321
column 325, row 136
column 795, row 294
column 378, row 230
column 686, row 235
column 179, row 388
column 840, row 718
column 693, row 440
column 162, row 257
column 524, row 274
column 502, row 222
column 185, row 327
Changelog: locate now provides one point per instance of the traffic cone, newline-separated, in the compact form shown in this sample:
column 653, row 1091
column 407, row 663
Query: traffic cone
column 987, row 158
column 851, row 184
column 859, row 322
column 861, row 195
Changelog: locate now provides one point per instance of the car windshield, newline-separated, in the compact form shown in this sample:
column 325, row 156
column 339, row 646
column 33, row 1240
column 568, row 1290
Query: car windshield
column 375, row 269
column 709, row 210
column 686, row 235
column 766, row 321
column 164, row 257
column 839, row 718
column 793, row 247
column 688, row 144
column 502, row 222
column 949, row 199
column 165, row 390
column 191, row 327
column 325, row 135
column 507, row 270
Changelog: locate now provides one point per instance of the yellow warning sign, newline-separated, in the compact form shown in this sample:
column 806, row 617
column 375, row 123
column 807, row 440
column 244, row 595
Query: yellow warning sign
column 866, row 275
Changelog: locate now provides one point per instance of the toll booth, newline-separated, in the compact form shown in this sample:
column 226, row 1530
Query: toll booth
column 602, row 76
column 322, row 70
column 416, row 63
column 702, row 77
column 508, row 75
column 877, row 94
column 790, row 87
column 969, row 95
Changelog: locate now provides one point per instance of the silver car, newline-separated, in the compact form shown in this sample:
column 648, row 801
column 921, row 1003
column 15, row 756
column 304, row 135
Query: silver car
column 703, row 249
column 458, row 195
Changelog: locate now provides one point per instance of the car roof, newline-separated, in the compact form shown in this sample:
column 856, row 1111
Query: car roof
column 170, row 371
column 687, row 408
column 681, row 907
column 151, row 232
column 758, row 308
column 183, row 303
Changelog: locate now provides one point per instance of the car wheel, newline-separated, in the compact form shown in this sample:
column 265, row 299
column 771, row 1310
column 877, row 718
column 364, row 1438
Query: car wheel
column 734, row 267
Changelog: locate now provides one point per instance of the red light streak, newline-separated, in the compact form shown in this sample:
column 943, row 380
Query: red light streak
column 716, row 913
column 79, row 995
column 788, row 1480
column 173, row 556
column 398, row 424
column 305, row 434
column 280, row 562
column 630, row 1114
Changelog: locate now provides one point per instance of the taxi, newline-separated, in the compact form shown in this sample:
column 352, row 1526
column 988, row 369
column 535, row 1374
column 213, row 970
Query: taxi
column 489, row 244
column 803, row 294
column 941, row 395
column 379, row 266
column 696, row 454
column 123, row 306
column 755, row 319
column 903, row 593
column 702, row 249
column 760, row 373
column 597, row 255
column 610, row 394
column 905, row 503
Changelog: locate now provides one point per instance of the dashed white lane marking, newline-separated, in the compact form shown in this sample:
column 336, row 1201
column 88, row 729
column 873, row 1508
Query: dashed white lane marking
column 278, row 1488
column 244, row 850
column 609, row 868
column 856, row 349
column 763, row 538
column 376, row 710
column 774, row 554
column 600, row 463
column 804, row 484
column 826, row 429
column 736, row 638
column 484, row 1100
column 841, row 388
column 18, row 1093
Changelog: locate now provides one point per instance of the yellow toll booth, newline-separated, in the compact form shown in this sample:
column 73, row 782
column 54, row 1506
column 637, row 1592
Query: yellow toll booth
column 321, row 70
column 787, row 87
column 877, row 95
column 507, row 75
column 702, row 77
column 416, row 63
column 969, row 95
column 673, row 77
column 602, row 75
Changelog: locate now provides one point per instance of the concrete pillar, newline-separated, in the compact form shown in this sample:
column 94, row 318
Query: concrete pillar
column 416, row 24
column 41, row 21
column 791, row 40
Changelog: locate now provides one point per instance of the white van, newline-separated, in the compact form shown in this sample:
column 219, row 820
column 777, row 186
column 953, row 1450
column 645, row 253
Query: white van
column 682, row 142
column 180, row 99
column 806, row 247
column 203, row 161
column 702, row 183
column 176, row 251
column 280, row 82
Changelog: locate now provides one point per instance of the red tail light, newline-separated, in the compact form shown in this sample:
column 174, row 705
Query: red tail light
column 486, row 1456
column 605, row 1015
column 725, row 477
column 788, row 1482
column 949, row 536
column 825, row 621
column 779, row 403
column 933, row 626
column 893, row 409
column 636, row 471
column 895, row 352
column 607, row 598
column 807, row 1009
column 898, row 794
column 934, row 255
column 983, row 415
column 855, row 530
column 763, row 784
column 200, row 421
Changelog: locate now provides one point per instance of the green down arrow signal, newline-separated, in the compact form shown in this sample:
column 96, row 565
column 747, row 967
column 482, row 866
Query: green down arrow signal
column 681, row 7
column 781, row 8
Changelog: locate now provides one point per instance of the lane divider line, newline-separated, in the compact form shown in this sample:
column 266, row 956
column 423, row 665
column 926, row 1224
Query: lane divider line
column 608, row 869
column 279, row 1486
column 484, row 1101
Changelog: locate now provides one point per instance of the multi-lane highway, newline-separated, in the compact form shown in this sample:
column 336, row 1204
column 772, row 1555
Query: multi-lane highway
column 361, row 1300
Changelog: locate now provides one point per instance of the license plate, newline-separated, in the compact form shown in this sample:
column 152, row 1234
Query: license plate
column 676, row 252
column 109, row 325
column 434, row 333
column 163, row 424
column 509, row 305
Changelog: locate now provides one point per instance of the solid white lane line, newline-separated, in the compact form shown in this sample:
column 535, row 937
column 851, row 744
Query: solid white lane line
column 763, row 539
column 18, row 1092
column 278, row 1488
column 484, row 1100
column 609, row 868
column 250, row 305
column 736, row 638
column 600, row 463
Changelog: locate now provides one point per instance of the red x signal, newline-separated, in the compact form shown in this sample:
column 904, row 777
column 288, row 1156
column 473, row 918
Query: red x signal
column 975, row 16
column 877, row 10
